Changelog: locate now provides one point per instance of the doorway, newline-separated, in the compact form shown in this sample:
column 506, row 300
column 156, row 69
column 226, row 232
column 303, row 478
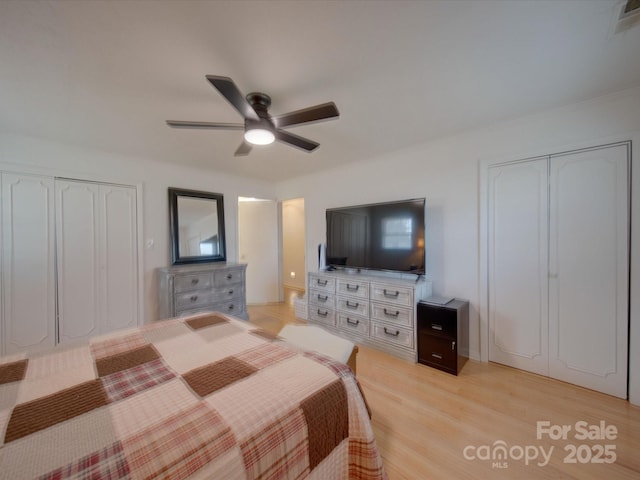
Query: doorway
column 293, row 249
column 258, row 248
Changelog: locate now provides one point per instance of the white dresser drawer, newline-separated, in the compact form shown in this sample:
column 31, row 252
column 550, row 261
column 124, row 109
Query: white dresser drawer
column 196, row 281
column 193, row 299
column 354, row 324
column 354, row 306
column 396, row 294
column 320, row 314
column 322, row 298
column 228, row 277
column 392, row 334
column 353, row 288
column 322, row 282
column 401, row 316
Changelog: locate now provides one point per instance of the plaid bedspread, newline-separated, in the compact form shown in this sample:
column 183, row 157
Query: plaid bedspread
column 206, row 396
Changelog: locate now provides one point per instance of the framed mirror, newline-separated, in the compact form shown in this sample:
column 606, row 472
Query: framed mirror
column 196, row 221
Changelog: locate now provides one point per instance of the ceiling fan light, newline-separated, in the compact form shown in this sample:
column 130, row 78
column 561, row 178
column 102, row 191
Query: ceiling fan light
column 259, row 136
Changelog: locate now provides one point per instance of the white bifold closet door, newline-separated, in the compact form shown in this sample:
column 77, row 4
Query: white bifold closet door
column 558, row 266
column 28, row 260
column 96, row 245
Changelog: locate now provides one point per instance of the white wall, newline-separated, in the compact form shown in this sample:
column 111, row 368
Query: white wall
column 293, row 244
column 446, row 172
column 20, row 153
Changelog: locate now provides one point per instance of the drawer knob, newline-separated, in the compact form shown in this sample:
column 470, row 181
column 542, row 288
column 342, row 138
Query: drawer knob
column 322, row 282
column 229, row 276
column 230, row 292
column 352, row 305
column 353, row 288
column 195, row 281
column 393, row 334
column 435, row 326
column 391, row 314
column 323, row 314
column 323, row 298
column 193, row 298
column 390, row 294
column 355, row 323
column 231, row 307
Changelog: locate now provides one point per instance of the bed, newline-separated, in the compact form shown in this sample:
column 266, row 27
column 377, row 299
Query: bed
column 207, row 396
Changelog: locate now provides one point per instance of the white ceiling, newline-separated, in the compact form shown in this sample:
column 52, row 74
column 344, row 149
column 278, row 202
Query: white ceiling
column 107, row 74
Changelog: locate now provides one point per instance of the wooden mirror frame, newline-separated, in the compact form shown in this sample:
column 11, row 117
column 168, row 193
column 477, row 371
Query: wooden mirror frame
column 174, row 222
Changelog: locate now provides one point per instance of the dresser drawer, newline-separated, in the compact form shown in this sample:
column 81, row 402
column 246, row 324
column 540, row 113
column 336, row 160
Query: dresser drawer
column 392, row 314
column 439, row 352
column 231, row 292
column 353, row 288
column 229, row 277
column 320, row 282
column 196, row 281
column 323, row 315
column 322, row 298
column 353, row 323
column 392, row 334
column 193, row 299
column 232, row 307
column 394, row 294
column 354, row 306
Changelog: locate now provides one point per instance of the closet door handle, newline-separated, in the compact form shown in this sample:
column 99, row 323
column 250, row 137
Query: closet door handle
column 435, row 326
column 435, row 355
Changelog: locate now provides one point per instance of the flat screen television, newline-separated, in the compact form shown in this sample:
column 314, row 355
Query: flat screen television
column 380, row 236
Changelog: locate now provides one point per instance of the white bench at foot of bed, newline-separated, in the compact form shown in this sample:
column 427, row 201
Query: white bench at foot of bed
column 310, row 337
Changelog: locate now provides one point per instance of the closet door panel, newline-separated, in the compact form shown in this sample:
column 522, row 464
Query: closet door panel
column 119, row 260
column 517, row 207
column 588, row 276
column 28, row 277
column 77, row 259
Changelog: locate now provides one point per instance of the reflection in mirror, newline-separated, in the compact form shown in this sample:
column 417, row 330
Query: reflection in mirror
column 197, row 226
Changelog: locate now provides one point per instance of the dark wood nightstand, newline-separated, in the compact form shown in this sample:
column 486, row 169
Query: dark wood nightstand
column 443, row 334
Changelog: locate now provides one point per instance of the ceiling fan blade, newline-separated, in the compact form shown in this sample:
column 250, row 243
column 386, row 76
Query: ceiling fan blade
column 296, row 141
column 243, row 149
column 325, row 111
column 229, row 91
column 205, row 125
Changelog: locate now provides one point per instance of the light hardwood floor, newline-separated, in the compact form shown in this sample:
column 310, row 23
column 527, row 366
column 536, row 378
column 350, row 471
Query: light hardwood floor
column 424, row 419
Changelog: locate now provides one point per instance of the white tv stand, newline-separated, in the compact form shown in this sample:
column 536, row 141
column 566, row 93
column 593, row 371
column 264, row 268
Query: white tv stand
column 374, row 309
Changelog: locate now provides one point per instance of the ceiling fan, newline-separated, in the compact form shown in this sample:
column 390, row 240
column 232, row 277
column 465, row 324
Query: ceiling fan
column 259, row 127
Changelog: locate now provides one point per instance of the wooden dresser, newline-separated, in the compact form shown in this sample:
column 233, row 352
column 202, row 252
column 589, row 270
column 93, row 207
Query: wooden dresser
column 377, row 311
column 187, row 289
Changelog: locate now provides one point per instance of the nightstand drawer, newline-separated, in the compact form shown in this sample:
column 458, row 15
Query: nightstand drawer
column 437, row 320
column 438, row 352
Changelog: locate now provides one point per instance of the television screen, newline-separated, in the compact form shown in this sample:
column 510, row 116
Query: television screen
column 381, row 236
